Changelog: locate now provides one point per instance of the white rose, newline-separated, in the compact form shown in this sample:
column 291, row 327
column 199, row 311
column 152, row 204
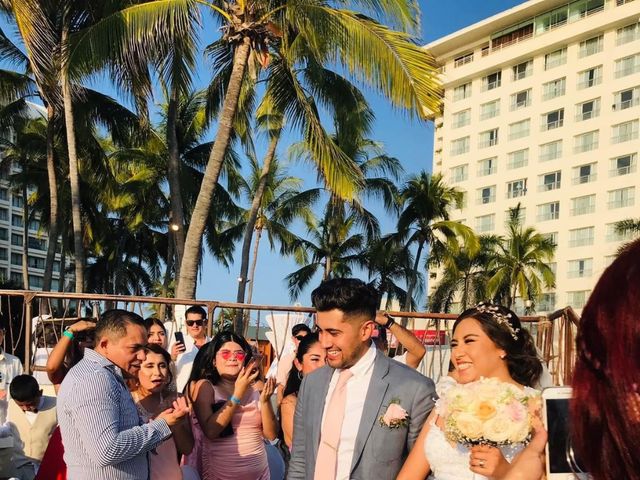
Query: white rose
column 469, row 425
column 500, row 429
column 520, row 431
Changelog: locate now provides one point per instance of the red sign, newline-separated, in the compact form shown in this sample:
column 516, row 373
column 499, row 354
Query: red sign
column 431, row 337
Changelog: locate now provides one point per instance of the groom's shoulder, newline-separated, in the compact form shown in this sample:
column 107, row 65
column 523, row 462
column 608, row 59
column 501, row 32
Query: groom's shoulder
column 404, row 374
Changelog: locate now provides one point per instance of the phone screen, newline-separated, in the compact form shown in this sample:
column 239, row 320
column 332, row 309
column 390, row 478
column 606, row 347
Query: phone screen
column 560, row 451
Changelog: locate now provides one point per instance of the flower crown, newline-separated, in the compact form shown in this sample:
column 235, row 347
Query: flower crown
column 498, row 317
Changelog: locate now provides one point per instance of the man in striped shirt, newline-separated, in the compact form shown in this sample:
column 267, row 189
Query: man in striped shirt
column 101, row 431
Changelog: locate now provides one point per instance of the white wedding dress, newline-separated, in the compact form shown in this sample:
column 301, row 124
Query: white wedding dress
column 451, row 462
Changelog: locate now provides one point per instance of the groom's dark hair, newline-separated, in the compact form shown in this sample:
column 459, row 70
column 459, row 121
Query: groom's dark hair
column 350, row 295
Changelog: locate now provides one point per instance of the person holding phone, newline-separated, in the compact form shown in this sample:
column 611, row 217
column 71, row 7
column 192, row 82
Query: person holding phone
column 605, row 406
column 185, row 347
column 233, row 415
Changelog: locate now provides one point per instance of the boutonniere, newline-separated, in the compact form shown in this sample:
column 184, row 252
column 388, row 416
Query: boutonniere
column 394, row 416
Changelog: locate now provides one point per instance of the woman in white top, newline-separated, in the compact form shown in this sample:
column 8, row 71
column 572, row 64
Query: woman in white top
column 488, row 341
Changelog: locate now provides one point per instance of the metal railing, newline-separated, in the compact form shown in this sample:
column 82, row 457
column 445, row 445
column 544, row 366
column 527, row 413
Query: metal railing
column 30, row 316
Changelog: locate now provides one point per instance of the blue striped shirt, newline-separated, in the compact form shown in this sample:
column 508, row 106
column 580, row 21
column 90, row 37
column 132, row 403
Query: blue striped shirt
column 102, row 433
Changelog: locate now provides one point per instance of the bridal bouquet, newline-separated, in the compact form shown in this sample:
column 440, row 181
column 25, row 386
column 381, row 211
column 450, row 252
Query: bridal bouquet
column 488, row 412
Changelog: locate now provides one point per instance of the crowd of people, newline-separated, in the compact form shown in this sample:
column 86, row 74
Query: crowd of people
column 132, row 405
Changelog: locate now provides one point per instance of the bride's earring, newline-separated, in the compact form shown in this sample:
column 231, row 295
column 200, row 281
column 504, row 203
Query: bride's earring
column 502, row 357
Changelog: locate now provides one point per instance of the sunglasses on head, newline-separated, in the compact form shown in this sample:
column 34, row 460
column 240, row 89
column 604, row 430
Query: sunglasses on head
column 238, row 355
column 191, row 323
column 300, row 337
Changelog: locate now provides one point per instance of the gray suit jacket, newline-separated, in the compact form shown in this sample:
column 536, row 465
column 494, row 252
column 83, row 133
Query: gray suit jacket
column 379, row 450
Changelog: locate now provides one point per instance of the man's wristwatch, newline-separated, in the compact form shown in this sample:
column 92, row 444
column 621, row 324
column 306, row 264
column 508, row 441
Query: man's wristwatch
column 390, row 322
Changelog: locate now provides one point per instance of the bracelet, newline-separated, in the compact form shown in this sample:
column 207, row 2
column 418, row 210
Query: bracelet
column 234, row 399
column 68, row 334
column 390, row 323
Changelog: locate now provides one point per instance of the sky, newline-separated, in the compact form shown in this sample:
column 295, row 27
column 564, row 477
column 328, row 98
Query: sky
column 411, row 141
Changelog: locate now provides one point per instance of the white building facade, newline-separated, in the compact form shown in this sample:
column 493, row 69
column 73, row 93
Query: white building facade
column 542, row 108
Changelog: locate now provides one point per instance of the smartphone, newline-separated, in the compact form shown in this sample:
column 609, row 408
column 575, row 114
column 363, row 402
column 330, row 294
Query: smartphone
column 562, row 461
column 179, row 337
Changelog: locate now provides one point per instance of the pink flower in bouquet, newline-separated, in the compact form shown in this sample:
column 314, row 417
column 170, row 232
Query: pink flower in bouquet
column 395, row 416
column 516, row 411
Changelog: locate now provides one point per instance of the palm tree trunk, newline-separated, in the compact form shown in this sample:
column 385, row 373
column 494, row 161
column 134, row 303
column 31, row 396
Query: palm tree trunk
column 189, row 268
column 253, row 266
column 25, row 232
column 63, row 261
column 412, row 281
column 53, row 202
column 177, row 224
column 74, row 178
column 250, row 226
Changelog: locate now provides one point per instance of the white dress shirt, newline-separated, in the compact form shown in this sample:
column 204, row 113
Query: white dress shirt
column 10, row 368
column 357, row 387
column 184, row 362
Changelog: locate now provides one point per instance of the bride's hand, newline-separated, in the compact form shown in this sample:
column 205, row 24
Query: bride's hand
column 488, row 461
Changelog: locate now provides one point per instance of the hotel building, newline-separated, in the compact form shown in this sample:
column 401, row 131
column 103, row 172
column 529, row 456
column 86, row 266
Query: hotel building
column 542, row 109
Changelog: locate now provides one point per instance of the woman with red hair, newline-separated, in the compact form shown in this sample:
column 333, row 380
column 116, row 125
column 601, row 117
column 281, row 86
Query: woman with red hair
column 605, row 409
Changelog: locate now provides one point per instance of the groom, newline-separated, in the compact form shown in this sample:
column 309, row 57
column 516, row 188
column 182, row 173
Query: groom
column 357, row 417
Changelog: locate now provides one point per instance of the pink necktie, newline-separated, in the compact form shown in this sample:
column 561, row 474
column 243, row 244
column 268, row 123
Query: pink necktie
column 327, row 460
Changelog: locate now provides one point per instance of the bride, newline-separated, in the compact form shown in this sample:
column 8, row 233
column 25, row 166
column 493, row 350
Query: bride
column 488, row 341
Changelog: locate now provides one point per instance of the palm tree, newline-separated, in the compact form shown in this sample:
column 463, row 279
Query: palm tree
column 464, row 276
column 384, row 59
column 522, row 262
column 389, row 264
column 333, row 248
column 424, row 220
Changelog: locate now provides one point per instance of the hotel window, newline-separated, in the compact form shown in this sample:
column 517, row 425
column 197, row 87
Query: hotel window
column 623, row 165
column 552, row 237
column 16, row 259
column 628, row 34
column 624, row 132
column 17, row 201
column 461, row 119
column 583, row 205
column 462, row 92
column 460, row 173
column 622, row 2
column 548, row 211
column 552, row 19
column 547, row 302
column 621, row 197
column 488, row 138
column 613, row 234
column 35, row 262
column 34, row 225
column 486, row 195
column 590, row 46
column 492, row 81
column 463, row 60
column 16, row 277
column 549, row 181
column 627, row 66
column 578, row 299
column 555, row 59
column 4, row 214
column 517, row 188
column 586, row 142
column 16, row 220
column 550, row 151
column 554, row 88
column 584, row 174
column 37, row 243
column 626, row 98
column 460, row 146
column 521, row 99
column 485, row 223
column 590, row 77
column 551, row 120
column 487, row 166
column 518, row 159
column 4, row 233
column 16, row 239
column 581, row 237
column 490, row 109
column 582, row 267
column 519, row 129
column 4, row 254
column 523, row 70
column 4, row 193
column 587, row 110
